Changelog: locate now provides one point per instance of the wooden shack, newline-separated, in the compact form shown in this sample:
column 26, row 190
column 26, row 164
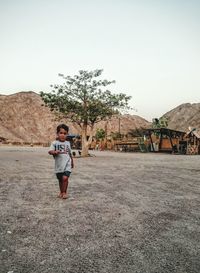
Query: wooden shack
column 191, row 142
column 173, row 141
column 163, row 140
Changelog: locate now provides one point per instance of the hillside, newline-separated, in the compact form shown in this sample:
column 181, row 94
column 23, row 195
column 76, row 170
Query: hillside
column 183, row 116
column 24, row 118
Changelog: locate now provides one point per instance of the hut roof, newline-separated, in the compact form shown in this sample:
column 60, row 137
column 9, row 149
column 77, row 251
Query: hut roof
column 193, row 132
column 165, row 131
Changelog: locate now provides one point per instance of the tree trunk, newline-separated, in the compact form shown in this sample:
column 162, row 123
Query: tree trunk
column 86, row 143
column 84, row 151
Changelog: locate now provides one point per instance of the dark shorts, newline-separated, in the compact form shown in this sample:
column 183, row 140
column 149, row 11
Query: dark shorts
column 60, row 175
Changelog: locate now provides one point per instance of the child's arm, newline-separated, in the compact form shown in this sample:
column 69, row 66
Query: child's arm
column 72, row 161
column 52, row 149
column 70, row 154
column 53, row 152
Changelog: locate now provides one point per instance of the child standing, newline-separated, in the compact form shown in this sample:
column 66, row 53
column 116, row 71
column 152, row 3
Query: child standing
column 61, row 150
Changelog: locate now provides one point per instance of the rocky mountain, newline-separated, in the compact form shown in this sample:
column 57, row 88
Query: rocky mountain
column 24, row 118
column 183, row 116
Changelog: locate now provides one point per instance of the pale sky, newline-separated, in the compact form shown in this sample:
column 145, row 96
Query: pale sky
column 150, row 47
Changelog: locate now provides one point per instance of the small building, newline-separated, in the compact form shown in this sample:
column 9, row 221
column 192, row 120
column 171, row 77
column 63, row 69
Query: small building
column 173, row 141
column 191, row 142
column 163, row 139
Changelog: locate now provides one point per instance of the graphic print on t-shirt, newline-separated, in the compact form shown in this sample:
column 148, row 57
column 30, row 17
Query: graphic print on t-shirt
column 63, row 148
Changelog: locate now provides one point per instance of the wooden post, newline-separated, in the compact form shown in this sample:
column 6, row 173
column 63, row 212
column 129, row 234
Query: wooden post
column 161, row 138
column 170, row 137
column 151, row 141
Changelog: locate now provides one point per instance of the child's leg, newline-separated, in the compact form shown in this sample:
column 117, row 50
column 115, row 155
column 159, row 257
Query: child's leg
column 60, row 185
column 65, row 182
column 59, row 177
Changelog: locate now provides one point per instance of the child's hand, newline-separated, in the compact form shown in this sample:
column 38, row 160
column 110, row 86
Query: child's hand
column 72, row 165
column 54, row 152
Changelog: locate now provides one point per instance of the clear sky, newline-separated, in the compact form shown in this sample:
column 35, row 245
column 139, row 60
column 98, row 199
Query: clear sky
column 150, row 47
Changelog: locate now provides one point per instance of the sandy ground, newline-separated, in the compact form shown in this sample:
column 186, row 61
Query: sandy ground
column 126, row 212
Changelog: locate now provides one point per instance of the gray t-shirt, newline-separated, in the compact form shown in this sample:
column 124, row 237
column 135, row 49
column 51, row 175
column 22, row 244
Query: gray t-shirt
column 62, row 160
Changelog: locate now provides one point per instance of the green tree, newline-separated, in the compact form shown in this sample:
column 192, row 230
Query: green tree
column 160, row 123
column 85, row 101
column 100, row 134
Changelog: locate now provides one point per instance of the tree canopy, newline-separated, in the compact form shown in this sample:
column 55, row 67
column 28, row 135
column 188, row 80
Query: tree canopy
column 84, row 99
column 160, row 123
column 100, row 134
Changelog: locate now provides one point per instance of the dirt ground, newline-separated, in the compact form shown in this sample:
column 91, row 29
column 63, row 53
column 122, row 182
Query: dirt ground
column 126, row 212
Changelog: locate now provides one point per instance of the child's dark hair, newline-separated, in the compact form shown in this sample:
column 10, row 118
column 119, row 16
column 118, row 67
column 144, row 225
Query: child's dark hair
column 62, row 126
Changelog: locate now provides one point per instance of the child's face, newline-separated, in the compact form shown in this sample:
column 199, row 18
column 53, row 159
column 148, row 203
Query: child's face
column 62, row 134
